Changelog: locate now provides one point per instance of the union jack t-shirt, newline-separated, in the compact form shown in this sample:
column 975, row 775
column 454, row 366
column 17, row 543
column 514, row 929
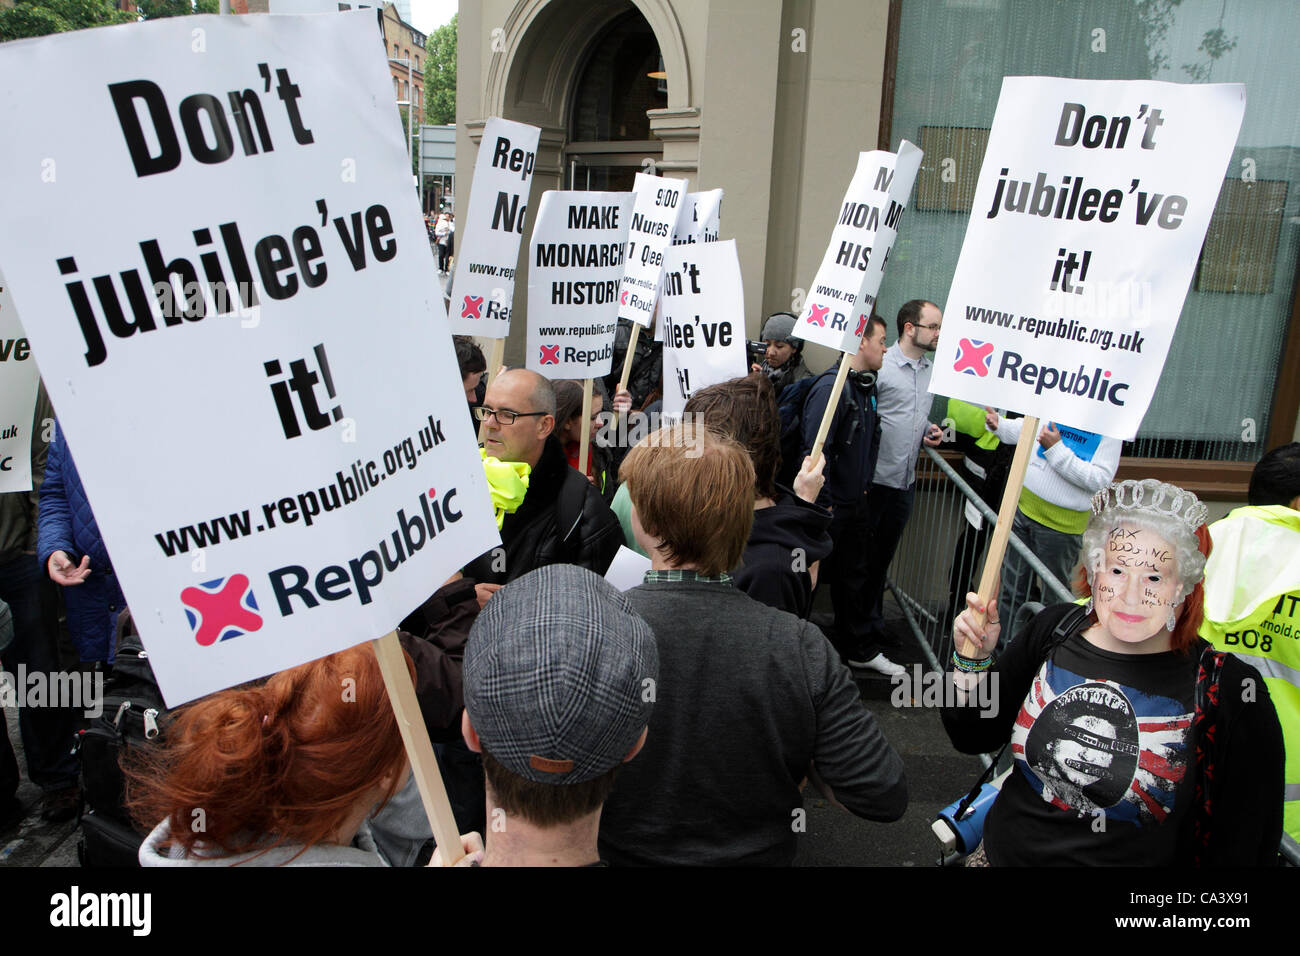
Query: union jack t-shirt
column 1103, row 762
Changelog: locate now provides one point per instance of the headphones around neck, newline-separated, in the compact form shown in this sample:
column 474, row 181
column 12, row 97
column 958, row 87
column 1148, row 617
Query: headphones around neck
column 864, row 379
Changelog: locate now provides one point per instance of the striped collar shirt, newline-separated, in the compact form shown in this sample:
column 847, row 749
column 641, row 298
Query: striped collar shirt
column 677, row 575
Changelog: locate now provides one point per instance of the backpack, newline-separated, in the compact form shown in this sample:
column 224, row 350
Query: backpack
column 133, row 715
column 790, row 405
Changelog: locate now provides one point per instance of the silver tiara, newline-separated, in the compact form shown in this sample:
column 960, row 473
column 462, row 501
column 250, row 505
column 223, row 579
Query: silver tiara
column 1148, row 494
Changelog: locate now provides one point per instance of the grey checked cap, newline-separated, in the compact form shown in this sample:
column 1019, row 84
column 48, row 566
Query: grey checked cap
column 556, row 672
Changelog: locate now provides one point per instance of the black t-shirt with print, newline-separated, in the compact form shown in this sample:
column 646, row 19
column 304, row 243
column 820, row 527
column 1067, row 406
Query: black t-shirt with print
column 1103, row 769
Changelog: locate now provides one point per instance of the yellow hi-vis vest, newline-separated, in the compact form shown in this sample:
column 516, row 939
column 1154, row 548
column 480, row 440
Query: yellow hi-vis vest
column 1252, row 608
column 968, row 419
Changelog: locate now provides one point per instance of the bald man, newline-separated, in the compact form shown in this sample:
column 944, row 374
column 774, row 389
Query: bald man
column 563, row 519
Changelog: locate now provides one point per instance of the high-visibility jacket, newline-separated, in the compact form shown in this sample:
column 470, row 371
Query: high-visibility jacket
column 968, row 419
column 1252, row 608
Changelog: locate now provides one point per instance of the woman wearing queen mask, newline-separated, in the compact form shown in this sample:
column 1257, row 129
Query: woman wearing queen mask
column 1134, row 742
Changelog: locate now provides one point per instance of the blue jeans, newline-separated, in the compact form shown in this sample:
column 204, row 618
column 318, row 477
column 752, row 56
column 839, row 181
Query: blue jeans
column 47, row 731
column 1056, row 549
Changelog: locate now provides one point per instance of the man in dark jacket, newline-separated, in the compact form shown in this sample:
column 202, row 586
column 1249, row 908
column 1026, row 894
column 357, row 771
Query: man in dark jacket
column 750, row 701
column 563, row 519
column 790, row 533
column 851, row 448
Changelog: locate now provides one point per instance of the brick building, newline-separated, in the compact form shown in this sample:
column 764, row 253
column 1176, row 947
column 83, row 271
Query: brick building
column 404, row 42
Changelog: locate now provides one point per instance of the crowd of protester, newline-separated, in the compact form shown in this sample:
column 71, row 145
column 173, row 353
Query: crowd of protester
column 683, row 720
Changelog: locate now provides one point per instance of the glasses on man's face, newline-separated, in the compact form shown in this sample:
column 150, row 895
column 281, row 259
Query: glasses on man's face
column 504, row 415
column 931, row 328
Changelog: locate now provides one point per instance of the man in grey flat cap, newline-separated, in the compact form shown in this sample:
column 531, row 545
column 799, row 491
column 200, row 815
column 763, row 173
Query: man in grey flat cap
column 560, row 679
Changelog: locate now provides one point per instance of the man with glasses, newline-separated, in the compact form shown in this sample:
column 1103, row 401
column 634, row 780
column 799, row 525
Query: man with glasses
column 903, row 403
column 562, row 519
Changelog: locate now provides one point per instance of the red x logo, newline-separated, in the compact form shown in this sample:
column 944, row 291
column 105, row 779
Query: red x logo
column 818, row 316
column 221, row 609
column 862, row 325
column 473, row 307
column 550, row 355
column 973, row 357
column 622, row 297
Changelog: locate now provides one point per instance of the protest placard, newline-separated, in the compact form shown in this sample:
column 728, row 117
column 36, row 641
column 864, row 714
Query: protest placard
column 835, row 313
column 249, row 362
column 483, row 289
column 700, row 221
column 655, row 210
column 703, row 319
column 844, row 290
column 575, row 265
column 1088, row 218
column 19, row 380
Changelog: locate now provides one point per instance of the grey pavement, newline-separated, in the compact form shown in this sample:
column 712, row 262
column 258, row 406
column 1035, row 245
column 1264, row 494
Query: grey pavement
column 34, row 842
column 936, row 774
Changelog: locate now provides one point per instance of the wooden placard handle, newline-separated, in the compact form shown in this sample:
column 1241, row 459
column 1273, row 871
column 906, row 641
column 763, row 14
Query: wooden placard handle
column 584, row 443
column 629, row 355
column 832, row 404
column 415, row 737
column 1006, row 515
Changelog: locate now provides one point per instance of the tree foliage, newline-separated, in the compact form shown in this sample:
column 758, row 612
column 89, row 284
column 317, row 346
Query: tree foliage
column 156, row 9
column 35, row 18
column 440, row 75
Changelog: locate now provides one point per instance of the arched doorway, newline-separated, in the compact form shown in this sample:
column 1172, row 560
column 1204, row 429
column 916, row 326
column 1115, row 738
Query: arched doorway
column 622, row 77
column 577, row 69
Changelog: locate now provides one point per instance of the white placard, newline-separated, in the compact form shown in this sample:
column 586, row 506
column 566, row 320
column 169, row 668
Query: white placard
column 700, row 221
column 835, row 313
column 19, row 380
column 275, row 445
column 483, row 290
column 704, row 320
column 655, row 210
column 628, row 569
column 1089, row 215
column 575, row 264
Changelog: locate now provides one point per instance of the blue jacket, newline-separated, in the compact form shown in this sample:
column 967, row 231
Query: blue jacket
column 66, row 523
column 852, row 444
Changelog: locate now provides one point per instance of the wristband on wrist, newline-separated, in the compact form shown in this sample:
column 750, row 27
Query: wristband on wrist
column 971, row 665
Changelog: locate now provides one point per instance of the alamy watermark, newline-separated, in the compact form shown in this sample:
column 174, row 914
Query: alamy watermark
column 921, row 688
column 78, row 690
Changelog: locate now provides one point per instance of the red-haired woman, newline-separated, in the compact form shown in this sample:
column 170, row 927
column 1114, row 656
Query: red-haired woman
column 281, row 774
column 1134, row 744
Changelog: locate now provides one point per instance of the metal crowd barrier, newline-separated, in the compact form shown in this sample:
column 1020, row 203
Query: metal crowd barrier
column 919, row 577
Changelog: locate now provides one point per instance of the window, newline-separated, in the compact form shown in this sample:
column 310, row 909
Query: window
column 1223, row 384
column 613, row 91
column 609, row 135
